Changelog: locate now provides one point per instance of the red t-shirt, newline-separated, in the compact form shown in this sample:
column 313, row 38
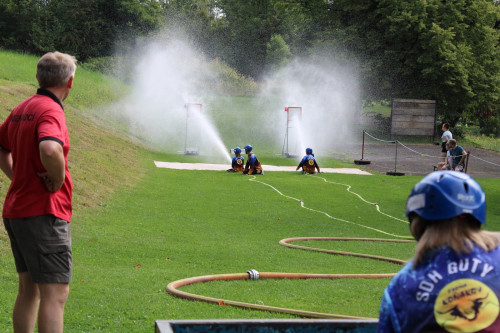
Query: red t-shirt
column 40, row 117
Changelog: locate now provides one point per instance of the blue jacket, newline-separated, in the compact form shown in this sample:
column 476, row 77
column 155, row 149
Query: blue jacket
column 448, row 292
column 308, row 163
column 238, row 163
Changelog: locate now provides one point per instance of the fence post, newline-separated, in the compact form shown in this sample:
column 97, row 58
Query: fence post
column 395, row 173
column 362, row 161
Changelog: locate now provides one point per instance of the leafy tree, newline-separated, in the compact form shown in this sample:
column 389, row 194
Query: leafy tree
column 94, row 29
column 278, row 52
column 246, row 28
column 293, row 22
column 14, row 15
column 46, row 29
column 443, row 50
column 433, row 49
column 196, row 21
column 85, row 28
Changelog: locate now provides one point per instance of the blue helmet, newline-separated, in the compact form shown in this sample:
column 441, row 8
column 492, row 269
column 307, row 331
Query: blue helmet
column 248, row 149
column 445, row 194
column 237, row 150
column 309, row 151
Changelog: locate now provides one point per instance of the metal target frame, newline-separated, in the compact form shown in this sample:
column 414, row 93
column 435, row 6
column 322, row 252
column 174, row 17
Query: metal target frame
column 289, row 125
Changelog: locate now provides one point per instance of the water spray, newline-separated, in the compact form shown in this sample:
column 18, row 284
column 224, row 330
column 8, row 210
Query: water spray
column 193, row 112
column 327, row 91
column 199, row 129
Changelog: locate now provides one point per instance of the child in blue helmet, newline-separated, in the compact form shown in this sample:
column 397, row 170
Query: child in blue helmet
column 238, row 161
column 253, row 166
column 453, row 282
column 308, row 162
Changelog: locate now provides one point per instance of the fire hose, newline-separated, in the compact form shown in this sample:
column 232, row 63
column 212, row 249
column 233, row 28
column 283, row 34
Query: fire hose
column 173, row 287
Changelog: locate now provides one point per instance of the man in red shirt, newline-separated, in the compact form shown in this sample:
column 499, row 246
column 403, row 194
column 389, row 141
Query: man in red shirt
column 34, row 146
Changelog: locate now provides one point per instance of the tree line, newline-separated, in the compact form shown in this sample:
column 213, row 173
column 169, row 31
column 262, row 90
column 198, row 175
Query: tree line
column 427, row 49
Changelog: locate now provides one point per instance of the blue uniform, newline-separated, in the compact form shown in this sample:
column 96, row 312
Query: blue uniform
column 447, row 292
column 238, row 163
column 253, row 166
column 308, row 164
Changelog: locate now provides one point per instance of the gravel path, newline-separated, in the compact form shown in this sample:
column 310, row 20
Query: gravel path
column 420, row 159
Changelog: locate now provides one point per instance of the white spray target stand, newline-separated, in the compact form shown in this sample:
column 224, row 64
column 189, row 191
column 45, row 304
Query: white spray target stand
column 193, row 128
column 291, row 144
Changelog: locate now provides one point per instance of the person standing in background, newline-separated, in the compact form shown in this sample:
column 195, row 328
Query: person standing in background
column 444, row 139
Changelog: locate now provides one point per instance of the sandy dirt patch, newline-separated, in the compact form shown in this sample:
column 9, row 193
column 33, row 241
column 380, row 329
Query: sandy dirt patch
column 223, row 167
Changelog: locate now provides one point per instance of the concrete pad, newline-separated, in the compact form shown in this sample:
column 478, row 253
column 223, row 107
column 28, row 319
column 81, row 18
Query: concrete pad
column 223, row 167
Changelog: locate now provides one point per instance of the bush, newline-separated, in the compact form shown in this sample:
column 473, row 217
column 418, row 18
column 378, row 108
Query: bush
column 103, row 65
column 458, row 131
column 230, row 82
column 277, row 52
column 490, row 126
column 472, row 130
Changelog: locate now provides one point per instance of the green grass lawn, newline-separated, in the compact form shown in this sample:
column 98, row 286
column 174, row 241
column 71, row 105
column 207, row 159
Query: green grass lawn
column 137, row 228
column 178, row 224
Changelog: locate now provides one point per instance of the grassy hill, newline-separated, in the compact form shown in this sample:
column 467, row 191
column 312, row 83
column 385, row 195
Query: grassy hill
column 100, row 158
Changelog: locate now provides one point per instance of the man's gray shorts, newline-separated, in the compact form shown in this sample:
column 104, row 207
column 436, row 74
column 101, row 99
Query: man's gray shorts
column 41, row 246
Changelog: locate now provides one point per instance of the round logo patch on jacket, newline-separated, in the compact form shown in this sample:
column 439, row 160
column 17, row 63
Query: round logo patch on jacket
column 466, row 305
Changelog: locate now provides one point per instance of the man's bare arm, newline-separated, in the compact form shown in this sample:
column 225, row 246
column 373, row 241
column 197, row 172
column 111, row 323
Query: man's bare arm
column 6, row 162
column 464, row 155
column 52, row 157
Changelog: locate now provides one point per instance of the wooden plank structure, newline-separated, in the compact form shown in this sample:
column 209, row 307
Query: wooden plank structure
column 413, row 117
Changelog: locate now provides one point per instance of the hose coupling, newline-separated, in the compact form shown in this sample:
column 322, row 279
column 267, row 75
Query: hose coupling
column 253, row 274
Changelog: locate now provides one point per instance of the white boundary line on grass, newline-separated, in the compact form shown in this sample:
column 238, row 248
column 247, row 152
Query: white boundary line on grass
column 302, row 205
column 224, row 167
column 348, row 189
